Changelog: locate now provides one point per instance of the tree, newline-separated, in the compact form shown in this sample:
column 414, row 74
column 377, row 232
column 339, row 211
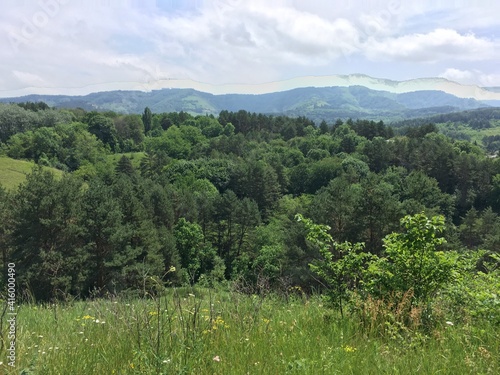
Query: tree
column 5, row 219
column 125, row 166
column 336, row 205
column 189, row 241
column 147, row 119
column 341, row 266
column 323, row 127
column 103, row 128
column 129, row 131
column 46, row 243
column 412, row 260
column 377, row 211
column 103, row 234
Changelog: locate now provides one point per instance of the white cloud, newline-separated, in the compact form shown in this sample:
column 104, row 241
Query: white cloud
column 29, row 79
column 88, row 42
column 471, row 77
column 431, row 47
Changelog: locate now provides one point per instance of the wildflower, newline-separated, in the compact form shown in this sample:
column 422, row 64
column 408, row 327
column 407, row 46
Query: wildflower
column 86, row 317
column 171, row 269
column 132, row 365
column 153, row 313
column 166, row 361
column 216, row 358
column 449, row 323
column 349, row 349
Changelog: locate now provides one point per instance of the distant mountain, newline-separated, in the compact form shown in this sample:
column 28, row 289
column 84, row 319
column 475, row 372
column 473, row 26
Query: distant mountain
column 314, row 102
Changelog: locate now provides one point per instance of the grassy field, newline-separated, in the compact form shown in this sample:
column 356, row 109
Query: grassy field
column 13, row 172
column 202, row 331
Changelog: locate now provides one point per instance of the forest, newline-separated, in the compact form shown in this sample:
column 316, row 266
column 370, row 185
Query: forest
column 215, row 198
column 395, row 227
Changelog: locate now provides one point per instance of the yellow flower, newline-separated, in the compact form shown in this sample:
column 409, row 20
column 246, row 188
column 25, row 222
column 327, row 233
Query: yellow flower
column 349, row 349
column 88, row 317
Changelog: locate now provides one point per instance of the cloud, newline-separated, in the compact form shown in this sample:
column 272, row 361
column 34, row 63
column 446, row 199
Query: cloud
column 29, row 79
column 77, row 43
column 431, row 47
column 472, row 77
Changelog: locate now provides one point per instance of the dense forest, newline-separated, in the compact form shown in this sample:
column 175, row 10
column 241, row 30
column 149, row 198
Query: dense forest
column 203, row 199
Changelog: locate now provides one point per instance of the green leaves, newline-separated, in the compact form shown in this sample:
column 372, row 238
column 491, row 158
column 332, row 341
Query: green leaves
column 342, row 265
column 413, row 261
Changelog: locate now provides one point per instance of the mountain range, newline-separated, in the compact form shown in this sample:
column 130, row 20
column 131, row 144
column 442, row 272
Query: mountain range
column 355, row 96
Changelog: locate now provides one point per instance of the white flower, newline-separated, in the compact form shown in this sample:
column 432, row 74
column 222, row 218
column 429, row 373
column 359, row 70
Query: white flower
column 449, row 323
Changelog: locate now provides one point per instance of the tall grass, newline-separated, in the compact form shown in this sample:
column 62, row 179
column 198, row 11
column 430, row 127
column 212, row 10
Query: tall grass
column 202, row 331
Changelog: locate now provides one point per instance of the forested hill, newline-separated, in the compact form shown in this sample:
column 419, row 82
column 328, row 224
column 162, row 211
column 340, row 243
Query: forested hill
column 200, row 199
column 314, row 103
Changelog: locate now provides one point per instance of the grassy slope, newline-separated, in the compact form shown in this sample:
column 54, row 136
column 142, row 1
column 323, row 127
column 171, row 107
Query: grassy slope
column 216, row 332
column 13, row 172
column 135, row 158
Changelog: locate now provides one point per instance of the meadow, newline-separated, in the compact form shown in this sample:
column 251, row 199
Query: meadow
column 13, row 172
column 222, row 331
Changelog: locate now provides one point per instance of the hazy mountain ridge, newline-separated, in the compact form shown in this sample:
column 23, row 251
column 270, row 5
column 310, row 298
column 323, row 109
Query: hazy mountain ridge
column 314, row 102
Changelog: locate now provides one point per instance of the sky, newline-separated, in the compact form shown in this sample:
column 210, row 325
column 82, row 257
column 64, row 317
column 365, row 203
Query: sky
column 82, row 46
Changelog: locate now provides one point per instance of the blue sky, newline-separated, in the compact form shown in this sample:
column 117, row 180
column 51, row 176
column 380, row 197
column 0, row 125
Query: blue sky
column 80, row 46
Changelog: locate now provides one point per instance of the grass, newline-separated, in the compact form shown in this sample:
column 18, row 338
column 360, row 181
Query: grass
column 13, row 172
column 202, row 331
column 135, row 158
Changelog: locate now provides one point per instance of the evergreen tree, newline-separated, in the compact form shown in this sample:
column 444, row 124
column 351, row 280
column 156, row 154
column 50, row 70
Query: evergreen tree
column 147, row 119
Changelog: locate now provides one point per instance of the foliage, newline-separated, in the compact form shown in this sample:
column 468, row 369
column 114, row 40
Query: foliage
column 412, row 261
column 342, row 265
column 239, row 178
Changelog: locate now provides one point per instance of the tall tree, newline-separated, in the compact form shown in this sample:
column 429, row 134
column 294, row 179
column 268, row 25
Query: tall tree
column 147, row 119
column 46, row 242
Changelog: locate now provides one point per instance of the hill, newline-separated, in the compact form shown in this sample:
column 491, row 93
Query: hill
column 480, row 125
column 316, row 103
